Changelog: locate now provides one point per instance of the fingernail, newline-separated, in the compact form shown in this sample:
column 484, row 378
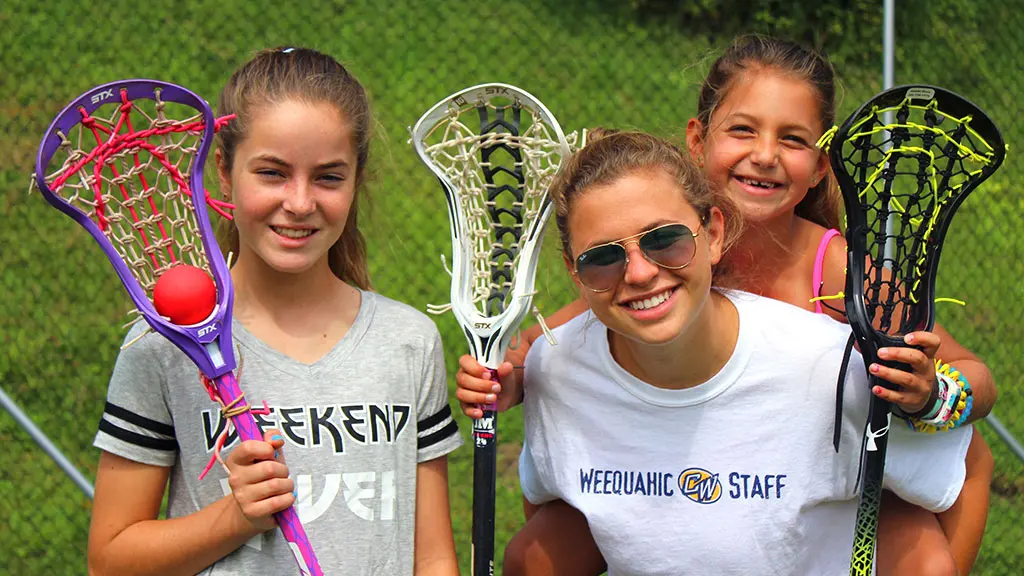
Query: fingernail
column 874, row 367
column 491, row 397
column 496, row 388
column 276, row 454
column 277, row 437
column 877, row 390
column 910, row 338
column 487, row 375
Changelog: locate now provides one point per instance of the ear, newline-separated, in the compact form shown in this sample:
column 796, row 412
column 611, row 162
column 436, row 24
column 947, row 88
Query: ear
column 822, row 167
column 223, row 175
column 571, row 267
column 695, row 140
column 715, row 229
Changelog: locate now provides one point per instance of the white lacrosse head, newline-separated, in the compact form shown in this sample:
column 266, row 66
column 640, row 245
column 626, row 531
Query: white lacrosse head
column 495, row 149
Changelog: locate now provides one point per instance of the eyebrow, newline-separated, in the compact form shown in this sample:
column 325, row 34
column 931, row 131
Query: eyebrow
column 656, row 224
column 270, row 158
column 751, row 119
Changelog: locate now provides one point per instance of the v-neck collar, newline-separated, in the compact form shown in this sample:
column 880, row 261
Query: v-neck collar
column 338, row 353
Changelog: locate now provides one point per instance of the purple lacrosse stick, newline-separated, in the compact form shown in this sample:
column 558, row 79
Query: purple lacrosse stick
column 139, row 191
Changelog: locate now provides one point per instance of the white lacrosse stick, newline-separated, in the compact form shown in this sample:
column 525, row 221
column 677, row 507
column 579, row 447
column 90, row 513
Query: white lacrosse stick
column 495, row 149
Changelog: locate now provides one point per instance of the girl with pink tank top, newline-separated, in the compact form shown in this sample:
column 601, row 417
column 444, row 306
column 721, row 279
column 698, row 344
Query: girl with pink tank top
column 761, row 110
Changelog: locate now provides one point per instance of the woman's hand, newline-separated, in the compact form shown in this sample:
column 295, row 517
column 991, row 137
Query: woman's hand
column 476, row 387
column 259, row 480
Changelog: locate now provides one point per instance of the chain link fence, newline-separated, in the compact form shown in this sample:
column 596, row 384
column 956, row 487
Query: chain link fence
column 592, row 63
column 977, row 50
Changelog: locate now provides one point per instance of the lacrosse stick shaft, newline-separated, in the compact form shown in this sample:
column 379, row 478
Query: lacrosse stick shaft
column 287, row 520
column 872, row 466
column 485, row 466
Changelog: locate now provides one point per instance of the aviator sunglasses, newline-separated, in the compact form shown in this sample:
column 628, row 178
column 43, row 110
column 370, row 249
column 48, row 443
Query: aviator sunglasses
column 671, row 246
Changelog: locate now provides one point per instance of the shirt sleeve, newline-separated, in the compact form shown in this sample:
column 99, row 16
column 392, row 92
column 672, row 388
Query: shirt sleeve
column 437, row 433
column 136, row 422
column 926, row 470
column 530, row 479
column 535, row 456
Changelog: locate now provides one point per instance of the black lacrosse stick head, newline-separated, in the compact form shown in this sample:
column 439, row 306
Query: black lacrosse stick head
column 905, row 161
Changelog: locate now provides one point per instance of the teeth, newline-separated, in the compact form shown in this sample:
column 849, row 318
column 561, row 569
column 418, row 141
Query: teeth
column 291, row 232
column 650, row 302
column 758, row 183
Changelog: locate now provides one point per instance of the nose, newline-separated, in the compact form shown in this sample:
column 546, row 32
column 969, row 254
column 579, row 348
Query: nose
column 300, row 199
column 639, row 270
column 766, row 152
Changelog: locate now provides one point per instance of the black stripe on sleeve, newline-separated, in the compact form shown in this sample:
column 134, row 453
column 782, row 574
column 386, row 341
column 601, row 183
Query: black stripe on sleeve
column 140, row 421
column 443, row 434
column 431, row 421
column 138, row 439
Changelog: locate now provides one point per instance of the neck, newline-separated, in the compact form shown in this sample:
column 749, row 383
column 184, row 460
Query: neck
column 703, row 348
column 309, row 298
column 765, row 249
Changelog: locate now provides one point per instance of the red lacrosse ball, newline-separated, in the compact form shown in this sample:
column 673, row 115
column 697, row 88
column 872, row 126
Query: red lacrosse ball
column 185, row 294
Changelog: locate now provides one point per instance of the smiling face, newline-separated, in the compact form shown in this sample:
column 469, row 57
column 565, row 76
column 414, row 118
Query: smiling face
column 650, row 304
column 760, row 145
column 293, row 183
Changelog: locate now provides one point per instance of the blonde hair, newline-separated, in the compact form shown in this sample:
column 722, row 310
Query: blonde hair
column 281, row 74
column 610, row 155
column 752, row 52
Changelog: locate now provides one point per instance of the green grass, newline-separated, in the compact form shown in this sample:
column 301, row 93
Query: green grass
column 590, row 66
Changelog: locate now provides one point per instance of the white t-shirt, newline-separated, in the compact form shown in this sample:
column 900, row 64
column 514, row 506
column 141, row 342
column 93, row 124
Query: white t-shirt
column 735, row 476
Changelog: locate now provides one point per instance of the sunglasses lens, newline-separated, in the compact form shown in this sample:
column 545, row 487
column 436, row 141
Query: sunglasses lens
column 601, row 268
column 670, row 246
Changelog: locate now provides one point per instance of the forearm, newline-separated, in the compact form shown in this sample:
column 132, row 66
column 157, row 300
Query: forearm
column 982, row 384
column 983, row 387
column 175, row 546
column 435, row 544
column 447, row 566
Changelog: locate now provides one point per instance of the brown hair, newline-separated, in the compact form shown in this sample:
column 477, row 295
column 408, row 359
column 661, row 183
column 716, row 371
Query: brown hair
column 752, row 52
column 610, row 155
column 277, row 75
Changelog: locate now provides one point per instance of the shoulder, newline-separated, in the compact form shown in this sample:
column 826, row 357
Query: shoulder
column 829, row 243
column 387, row 310
column 402, row 323
column 143, row 347
column 834, row 262
column 573, row 340
column 825, row 251
column 787, row 325
column 833, row 276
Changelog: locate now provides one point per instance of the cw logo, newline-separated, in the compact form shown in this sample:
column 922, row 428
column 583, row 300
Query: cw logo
column 699, row 485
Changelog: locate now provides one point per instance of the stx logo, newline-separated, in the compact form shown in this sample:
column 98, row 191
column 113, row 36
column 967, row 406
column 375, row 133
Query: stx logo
column 699, row 485
column 207, row 330
column 101, row 96
column 496, row 90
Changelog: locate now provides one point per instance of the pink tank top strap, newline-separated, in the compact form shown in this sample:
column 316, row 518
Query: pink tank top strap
column 819, row 267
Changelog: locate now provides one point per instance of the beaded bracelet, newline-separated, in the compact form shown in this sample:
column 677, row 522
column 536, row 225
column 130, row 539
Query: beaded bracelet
column 957, row 401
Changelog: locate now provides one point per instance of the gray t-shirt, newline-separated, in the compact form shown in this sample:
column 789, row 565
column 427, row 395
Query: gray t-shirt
column 355, row 424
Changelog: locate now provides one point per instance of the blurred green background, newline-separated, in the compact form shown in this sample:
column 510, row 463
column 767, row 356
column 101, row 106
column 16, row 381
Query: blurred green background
column 634, row 64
